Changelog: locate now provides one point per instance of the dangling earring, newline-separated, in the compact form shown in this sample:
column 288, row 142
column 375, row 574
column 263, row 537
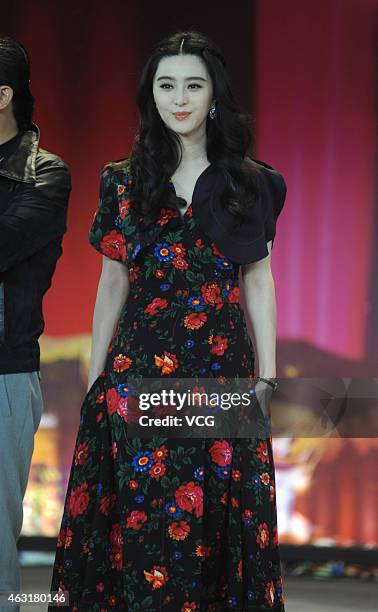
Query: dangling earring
column 212, row 111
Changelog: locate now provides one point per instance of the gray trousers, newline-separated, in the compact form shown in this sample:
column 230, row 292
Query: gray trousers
column 21, row 409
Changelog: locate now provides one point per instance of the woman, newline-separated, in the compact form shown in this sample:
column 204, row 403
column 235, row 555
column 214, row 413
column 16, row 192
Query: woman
column 165, row 524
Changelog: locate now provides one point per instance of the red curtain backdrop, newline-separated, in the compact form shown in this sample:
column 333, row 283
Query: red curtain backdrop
column 85, row 65
column 309, row 70
column 316, row 122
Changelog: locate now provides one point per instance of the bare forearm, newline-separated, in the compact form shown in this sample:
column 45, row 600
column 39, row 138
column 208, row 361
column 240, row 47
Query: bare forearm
column 109, row 303
column 260, row 301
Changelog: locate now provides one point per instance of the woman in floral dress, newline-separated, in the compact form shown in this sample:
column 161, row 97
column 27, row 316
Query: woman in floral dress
column 162, row 523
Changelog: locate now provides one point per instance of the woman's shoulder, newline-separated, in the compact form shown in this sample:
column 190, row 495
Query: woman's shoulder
column 270, row 176
column 119, row 169
column 261, row 165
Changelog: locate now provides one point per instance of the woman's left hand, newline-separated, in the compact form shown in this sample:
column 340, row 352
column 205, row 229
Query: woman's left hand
column 264, row 393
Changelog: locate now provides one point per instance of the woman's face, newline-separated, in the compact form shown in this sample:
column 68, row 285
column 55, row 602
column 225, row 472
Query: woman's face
column 183, row 93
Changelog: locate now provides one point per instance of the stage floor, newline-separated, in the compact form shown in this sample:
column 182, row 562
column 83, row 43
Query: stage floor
column 302, row 594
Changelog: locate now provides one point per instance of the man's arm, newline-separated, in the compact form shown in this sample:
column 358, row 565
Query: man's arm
column 37, row 215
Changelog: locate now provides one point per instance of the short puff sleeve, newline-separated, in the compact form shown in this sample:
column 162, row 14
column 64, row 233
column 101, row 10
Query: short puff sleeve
column 247, row 242
column 105, row 234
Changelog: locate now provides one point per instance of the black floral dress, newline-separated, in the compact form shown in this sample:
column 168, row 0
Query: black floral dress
column 176, row 525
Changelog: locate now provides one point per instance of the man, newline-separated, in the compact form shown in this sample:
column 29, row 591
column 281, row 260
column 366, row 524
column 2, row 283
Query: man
column 34, row 191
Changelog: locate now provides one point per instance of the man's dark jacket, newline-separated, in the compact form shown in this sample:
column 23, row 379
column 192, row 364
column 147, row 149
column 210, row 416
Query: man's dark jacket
column 34, row 191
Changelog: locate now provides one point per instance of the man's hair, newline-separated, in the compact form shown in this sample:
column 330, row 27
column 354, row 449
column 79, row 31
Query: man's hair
column 15, row 72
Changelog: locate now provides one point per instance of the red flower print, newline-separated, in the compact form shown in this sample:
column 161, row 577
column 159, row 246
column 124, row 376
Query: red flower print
column 221, row 452
column 112, row 400
column 199, row 244
column 262, row 537
column 262, row 452
column 78, row 500
column 156, row 305
column 116, row 558
column 121, row 363
column 215, row 250
column 189, row 497
column 240, row 570
column 195, row 320
column 158, row 576
column 178, row 249
column 113, row 245
column 179, row 530
column 233, row 296
column 265, row 478
column 166, row 214
column 203, row 551
column 236, row 475
column 100, row 398
column 124, row 207
column 160, row 454
column 167, row 362
column 224, row 497
column 136, row 519
column 188, row 607
column 211, row 295
column 107, row 503
column 112, row 600
column 100, row 587
column 159, row 273
column 120, row 189
column 180, row 263
column 157, row 470
column 218, row 345
column 133, row 273
column 116, row 541
column 81, row 453
column 133, row 485
column 115, row 536
column 114, row 450
column 122, row 409
column 269, row 593
column 64, row 538
column 68, row 539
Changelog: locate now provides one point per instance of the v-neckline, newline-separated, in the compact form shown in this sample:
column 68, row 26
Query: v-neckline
column 196, row 186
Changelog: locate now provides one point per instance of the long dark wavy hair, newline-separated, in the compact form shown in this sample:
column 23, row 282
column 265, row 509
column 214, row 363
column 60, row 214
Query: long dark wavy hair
column 15, row 72
column 157, row 150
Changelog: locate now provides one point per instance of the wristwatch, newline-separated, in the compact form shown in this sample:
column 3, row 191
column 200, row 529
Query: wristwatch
column 268, row 381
